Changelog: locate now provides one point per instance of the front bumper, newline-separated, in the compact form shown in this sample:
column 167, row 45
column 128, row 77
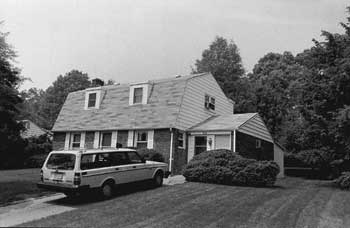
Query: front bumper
column 62, row 187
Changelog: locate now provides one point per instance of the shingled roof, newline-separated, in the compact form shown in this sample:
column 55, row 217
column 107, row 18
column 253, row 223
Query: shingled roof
column 161, row 111
column 248, row 123
column 227, row 122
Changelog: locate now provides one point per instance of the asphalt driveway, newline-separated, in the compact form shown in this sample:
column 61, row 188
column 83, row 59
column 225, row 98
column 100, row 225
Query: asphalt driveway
column 294, row 202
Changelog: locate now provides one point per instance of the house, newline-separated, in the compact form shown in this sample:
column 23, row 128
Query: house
column 32, row 130
column 279, row 152
column 178, row 117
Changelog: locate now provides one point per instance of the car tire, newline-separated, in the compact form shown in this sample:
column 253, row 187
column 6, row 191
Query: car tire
column 158, row 179
column 107, row 190
column 70, row 194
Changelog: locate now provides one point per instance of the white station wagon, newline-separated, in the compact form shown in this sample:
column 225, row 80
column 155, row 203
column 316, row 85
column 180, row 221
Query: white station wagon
column 75, row 171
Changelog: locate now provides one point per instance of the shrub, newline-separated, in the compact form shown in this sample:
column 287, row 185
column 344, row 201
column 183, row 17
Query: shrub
column 293, row 160
column 225, row 167
column 343, row 181
column 35, row 161
column 151, row 155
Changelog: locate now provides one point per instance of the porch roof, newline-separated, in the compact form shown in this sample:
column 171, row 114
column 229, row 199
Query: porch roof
column 223, row 123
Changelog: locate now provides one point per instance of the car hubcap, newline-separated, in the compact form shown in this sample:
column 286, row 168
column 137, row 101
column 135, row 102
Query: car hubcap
column 107, row 191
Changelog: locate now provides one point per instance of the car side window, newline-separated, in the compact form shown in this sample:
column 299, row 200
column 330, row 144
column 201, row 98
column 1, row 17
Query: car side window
column 119, row 158
column 103, row 160
column 88, row 161
column 134, row 158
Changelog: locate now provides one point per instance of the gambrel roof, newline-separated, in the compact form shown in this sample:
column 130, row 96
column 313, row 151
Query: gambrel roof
column 114, row 112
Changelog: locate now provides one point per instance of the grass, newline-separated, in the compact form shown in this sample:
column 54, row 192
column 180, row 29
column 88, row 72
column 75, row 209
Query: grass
column 294, row 202
column 19, row 184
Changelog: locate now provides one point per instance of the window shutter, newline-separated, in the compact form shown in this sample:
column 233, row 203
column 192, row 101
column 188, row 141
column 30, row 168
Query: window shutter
column 131, row 96
column 96, row 139
column 114, row 139
column 66, row 142
column 184, row 138
column 130, row 138
column 150, row 139
column 82, row 140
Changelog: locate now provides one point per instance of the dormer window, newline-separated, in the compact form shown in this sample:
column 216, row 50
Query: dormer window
column 138, row 94
column 92, row 99
column 209, row 102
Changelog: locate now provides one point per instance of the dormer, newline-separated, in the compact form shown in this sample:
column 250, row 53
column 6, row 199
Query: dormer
column 138, row 93
column 92, row 98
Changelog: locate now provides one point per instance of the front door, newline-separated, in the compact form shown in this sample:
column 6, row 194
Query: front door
column 200, row 144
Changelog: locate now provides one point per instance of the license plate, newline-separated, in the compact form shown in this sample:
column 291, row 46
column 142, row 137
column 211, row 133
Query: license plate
column 57, row 176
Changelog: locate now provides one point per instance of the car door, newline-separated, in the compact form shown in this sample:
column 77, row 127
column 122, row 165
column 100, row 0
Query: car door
column 121, row 167
column 138, row 169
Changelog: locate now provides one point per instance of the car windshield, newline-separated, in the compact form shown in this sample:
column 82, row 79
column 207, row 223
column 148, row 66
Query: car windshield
column 61, row 161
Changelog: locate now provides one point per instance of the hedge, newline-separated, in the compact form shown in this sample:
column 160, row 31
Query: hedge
column 151, row 155
column 343, row 181
column 225, row 167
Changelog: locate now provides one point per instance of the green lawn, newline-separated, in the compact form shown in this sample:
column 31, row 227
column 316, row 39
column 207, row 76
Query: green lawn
column 294, row 202
column 19, row 184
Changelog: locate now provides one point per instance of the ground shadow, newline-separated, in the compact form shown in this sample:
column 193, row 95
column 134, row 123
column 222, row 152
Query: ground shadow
column 93, row 196
column 305, row 173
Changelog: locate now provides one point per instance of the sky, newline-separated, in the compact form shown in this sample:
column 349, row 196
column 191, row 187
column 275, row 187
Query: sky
column 138, row 40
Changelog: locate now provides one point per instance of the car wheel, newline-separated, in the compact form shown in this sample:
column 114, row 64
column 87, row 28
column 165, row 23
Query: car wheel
column 158, row 179
column 107, row 190
column 70, row 194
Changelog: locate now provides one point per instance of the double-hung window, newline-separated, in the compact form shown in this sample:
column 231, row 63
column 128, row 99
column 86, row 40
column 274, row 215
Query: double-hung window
column 181, row 140
column 106, row 139
column 75, row 143
column 257, row 143
column 92, row 100
column 209, row 102
column 141, row 139
column 138, row 95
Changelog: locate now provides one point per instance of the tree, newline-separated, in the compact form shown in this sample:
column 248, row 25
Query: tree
column 32, row 105
column 11, row 142
column 223, row 60
column 275, row 80
column 56, row 94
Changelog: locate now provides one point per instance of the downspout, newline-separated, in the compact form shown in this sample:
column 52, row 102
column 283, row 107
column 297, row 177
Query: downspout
column 171, row 150
column 234, row 140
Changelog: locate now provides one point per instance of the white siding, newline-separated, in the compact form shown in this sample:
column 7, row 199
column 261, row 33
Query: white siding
column 192, row 109
column 190, row 153
column 256, row 127
column 222, row 142
column 279, row 159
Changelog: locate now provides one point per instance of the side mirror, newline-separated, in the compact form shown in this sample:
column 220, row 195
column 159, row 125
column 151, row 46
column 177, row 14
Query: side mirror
column 143, row 160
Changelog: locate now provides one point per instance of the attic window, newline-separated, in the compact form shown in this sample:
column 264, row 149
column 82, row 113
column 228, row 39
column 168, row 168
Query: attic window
column 138, row 95
column 92, row 100
column 209, row 102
